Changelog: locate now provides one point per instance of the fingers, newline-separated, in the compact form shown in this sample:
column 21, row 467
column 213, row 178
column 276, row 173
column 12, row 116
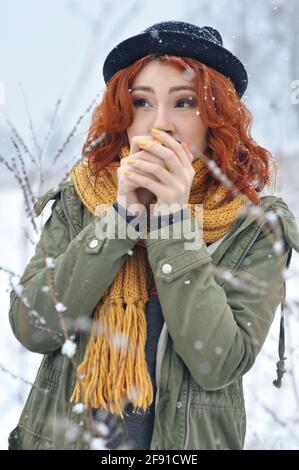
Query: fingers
column 143, row 155
column 171, row 162
column 145, row 182
column 171, row 143
column 136, row 150
column 153, row 170
column 160, row 153
column 141, row 166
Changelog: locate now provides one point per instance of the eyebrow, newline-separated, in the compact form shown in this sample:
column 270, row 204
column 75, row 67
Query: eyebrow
column 175, row 88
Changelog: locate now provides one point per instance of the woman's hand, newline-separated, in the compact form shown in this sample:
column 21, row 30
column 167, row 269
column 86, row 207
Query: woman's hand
column 132, row 190
column 172, row 166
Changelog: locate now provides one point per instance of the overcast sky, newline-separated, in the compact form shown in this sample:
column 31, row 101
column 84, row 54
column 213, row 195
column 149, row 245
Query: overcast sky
column 43, row 45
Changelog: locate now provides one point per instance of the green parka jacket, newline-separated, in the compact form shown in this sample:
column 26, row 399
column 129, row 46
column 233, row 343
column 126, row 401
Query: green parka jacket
column 218, row 304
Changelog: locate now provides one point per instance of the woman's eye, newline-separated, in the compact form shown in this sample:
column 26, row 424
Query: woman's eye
column 137, row 102
column 140, row 101
column 189, row 102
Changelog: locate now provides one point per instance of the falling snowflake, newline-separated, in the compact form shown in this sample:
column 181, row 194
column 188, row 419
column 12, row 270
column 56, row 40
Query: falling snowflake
column 286, row 274
column 217, row 442
column 102, row 428
column 256, row 211
column 227, row 275
column 83, row 323
column 97, row 444
column 69, row 348
column 133, row 393
column 39, row 320
column 50, row 263
column 198, row 344
column 60, row 307
column 278, row 246
column 154, row 34
column 271, row 217
column 18, row 288
column 71, row 434
column 26, row 302
column 120, row 340
column 188, row 74
column 78, row 408
column 205, row 367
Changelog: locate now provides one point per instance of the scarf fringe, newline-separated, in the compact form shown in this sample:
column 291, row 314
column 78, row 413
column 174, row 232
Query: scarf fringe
column 114, row 370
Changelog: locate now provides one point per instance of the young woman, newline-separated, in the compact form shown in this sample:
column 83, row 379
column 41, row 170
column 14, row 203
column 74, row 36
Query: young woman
column 145, row 309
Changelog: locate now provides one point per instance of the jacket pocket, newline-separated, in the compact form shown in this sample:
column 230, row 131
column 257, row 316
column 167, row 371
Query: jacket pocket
column 35, row 427
column 217, row 418
column 215, row 429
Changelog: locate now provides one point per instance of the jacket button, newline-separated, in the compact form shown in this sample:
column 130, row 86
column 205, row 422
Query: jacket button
column 94, row 243
column 179, row 404
column 166, row 268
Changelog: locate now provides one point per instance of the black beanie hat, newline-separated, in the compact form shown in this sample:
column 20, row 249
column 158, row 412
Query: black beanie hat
column 182, row 39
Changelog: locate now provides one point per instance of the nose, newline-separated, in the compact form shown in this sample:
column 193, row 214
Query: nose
column 162, row 121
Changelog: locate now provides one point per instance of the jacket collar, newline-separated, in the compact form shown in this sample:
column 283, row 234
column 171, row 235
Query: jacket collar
column 267, row 203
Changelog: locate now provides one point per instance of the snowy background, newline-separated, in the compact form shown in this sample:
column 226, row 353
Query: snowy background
column 52, row 55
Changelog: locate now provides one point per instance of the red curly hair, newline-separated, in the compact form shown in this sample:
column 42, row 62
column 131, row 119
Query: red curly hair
column 230, row 145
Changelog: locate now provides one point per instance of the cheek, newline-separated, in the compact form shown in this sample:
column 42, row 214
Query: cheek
column 136, row 123
column 202, row 133
column 199, row 135
column 131, row 131
column 138, row 127
column 198, row 140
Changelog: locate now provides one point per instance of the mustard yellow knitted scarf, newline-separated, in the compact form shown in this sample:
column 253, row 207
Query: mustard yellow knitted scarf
column 114, row 369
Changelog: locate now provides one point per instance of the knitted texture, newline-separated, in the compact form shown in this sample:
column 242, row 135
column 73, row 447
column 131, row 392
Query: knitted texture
column 114, row 370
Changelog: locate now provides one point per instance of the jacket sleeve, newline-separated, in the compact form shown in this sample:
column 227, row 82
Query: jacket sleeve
column 66, row 277
column 217, row 330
